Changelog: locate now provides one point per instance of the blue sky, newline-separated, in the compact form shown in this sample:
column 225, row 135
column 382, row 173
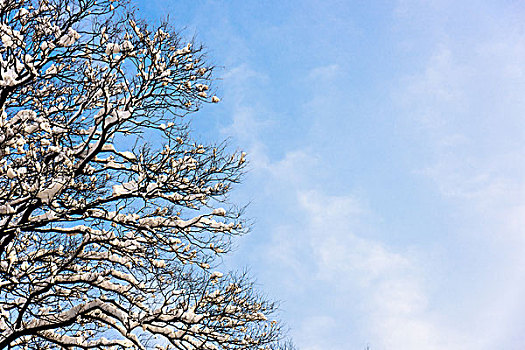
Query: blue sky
column 387, row 163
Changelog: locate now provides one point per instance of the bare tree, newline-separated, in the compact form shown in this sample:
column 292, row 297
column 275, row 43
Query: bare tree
column 106, row 241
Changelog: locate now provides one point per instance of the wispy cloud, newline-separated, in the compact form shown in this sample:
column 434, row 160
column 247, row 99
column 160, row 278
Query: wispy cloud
column 319, row 254
column 364, row 276
column 395, row 221
column 466, row 108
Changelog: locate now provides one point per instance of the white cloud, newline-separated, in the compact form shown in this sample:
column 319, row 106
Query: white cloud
column 471, row 98
column 388, row 285
column 240, row 86
column 460, row 107
column 326, row 73
column 315, row 328
column 318, row 240
column 345, row 287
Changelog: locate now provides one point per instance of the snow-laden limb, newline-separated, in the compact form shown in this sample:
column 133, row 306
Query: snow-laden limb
column 103, row 246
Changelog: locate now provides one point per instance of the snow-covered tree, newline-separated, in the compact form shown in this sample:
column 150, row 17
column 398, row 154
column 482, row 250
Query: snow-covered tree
column 107, row 241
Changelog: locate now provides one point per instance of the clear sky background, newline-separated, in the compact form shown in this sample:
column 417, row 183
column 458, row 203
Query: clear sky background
column 387, row 163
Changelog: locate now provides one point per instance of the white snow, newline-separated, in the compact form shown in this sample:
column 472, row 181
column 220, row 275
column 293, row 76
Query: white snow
column 11, row 173
column 216, row 274
column 6, row 209
column 47, row 195
column 52, row 70
column 128, row 155
column 219, row 212
column 112, row 48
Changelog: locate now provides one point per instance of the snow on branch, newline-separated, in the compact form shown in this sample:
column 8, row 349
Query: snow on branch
column 103, row 245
